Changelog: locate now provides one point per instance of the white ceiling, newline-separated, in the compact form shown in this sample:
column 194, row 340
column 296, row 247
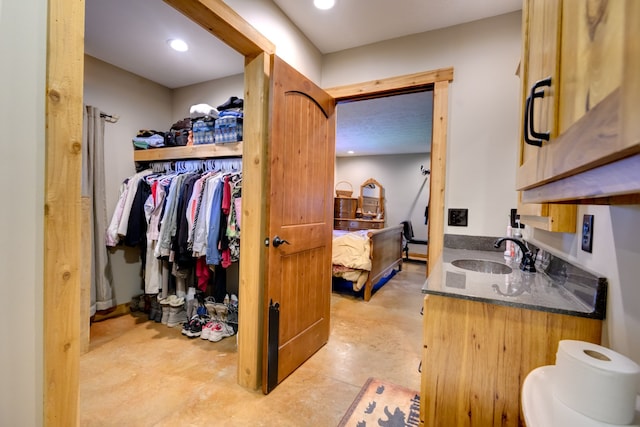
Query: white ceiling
column 132, row 35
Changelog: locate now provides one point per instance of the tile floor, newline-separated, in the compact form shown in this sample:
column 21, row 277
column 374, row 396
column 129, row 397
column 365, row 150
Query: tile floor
column 142, row 373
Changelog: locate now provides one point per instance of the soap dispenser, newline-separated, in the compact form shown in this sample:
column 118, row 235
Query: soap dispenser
column 509, row 246
column 517, row 234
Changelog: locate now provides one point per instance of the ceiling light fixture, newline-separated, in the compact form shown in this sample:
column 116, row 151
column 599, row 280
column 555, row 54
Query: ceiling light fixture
column 179, row 45
column 350, row 152
column 324, row 4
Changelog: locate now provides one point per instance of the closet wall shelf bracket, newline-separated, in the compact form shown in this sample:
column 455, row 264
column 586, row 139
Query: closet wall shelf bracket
column 189, row 152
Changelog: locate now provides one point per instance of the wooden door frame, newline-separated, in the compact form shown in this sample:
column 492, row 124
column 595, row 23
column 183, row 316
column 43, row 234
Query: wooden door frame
column 438, row 82
column 61, row 284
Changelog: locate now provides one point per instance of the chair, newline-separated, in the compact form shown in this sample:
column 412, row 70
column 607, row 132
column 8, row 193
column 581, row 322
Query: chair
column 407, row 233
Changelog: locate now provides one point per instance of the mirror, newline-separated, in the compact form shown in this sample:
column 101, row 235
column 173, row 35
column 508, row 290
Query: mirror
column 371, row 201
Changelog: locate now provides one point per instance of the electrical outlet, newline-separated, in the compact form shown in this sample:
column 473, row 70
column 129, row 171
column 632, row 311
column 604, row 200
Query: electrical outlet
column 458, row 217
column 587, row 233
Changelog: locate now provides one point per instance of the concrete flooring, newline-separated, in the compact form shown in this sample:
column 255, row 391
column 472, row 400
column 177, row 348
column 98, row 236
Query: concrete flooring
column 142, row 373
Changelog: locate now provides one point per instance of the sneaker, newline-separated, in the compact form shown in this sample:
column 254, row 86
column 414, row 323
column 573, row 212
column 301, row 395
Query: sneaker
column 195, row 326
column 207, row 328
column 186, row 326
column 223, row 331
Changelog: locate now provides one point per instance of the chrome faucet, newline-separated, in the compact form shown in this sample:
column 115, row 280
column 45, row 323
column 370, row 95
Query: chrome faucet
column 528, row 262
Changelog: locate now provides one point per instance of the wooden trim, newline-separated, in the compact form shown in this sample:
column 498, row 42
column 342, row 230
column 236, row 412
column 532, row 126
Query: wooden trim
column 189, row 152
column 225, row 23
column 117, row 311
column 62, row 212
column 614, row 179
column 253, row 256
column 438, row 172
column 406, row 83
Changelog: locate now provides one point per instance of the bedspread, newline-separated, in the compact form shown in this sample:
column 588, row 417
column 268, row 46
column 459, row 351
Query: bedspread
column 352, row 250
column 351, row 257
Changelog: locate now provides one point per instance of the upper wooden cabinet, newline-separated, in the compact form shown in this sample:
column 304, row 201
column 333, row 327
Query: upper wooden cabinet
column 590, row 53
column 539, row 73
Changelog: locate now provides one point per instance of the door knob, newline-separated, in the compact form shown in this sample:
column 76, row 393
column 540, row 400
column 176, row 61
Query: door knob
column 277, row 241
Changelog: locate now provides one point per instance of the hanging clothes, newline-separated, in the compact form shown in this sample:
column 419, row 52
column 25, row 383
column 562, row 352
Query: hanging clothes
column 185, row 222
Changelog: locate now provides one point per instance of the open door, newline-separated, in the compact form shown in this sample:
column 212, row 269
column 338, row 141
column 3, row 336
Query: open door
column 300, row 223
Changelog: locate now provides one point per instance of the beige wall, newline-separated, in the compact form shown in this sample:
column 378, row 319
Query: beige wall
column 22, row 88
column 141, row 104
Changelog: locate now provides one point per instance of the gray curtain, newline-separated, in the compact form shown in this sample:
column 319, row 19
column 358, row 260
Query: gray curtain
column 93, row 188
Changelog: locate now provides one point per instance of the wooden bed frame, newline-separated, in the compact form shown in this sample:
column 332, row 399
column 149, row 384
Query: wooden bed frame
column 386, row 254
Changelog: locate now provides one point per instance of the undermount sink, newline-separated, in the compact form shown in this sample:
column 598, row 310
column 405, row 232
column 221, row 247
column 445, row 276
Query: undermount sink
column 482, row 266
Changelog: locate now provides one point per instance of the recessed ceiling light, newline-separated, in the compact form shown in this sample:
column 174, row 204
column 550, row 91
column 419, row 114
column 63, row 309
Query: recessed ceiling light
column 350, row 152
column 324, row 4
column 179, row 45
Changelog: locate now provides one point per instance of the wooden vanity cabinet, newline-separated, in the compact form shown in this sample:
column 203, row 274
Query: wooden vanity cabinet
column 476, row 356
column 590, row 51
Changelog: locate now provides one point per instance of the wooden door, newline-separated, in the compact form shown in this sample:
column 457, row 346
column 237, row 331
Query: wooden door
column 302, row 158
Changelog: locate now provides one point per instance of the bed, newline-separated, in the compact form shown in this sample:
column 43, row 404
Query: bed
column 365, row 257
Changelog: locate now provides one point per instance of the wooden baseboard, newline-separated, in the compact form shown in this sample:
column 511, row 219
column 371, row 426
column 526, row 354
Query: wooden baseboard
column 418, row 257
column 117, row 311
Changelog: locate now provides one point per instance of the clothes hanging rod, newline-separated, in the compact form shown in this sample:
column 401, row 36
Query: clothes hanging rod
column 111, row 118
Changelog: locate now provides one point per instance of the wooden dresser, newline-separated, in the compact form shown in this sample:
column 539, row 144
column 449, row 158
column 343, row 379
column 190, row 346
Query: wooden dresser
column 344, row 216
column 352, row 224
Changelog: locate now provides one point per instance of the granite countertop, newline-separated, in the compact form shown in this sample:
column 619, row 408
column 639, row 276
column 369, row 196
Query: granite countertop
column 556, row 287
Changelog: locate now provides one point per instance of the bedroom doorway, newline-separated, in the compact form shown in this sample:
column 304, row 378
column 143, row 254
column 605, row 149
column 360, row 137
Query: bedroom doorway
column 437, row 82
column 388, row 139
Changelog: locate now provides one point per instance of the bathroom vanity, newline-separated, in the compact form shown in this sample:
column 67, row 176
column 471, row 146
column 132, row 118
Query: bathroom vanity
column 484, row 331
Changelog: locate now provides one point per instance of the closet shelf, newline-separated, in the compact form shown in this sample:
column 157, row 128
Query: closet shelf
column 233, row 149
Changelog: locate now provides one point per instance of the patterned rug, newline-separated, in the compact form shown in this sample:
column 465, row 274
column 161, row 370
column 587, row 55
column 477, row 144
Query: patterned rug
column 383, row 404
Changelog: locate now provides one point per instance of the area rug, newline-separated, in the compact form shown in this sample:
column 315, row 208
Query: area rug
column 380, row 403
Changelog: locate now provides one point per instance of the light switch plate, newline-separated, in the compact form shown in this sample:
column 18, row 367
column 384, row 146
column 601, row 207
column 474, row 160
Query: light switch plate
column 587, row 233
column 458, row 217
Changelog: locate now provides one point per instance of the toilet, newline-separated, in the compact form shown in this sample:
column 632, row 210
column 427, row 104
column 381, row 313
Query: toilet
column 541, row 409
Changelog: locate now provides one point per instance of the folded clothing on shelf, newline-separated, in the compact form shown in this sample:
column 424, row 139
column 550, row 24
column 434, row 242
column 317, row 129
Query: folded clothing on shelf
column 203, row 130
column 148, row 139
column 228, row 127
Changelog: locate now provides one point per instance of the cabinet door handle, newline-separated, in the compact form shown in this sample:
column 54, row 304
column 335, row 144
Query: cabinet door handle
column 536, row 137
column 526, row 125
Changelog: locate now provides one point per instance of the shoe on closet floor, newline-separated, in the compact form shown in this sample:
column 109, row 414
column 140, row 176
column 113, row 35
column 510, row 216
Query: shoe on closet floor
column 164, row 305
column 223, row 331
column 153, row 308
column 194, row 327
column 210, row 326
column 177, row 315
column 221, row 312
column 210, row 305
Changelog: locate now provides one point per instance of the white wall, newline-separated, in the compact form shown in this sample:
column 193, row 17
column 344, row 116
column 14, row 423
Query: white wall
column 22, row 85
column 291, row 44
column 483, row 107
column 406, row 190
column 141, row 104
